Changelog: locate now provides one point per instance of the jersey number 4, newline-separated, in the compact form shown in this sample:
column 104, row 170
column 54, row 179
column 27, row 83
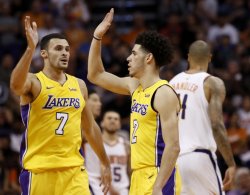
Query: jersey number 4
column 64, row 118
column 183, row 105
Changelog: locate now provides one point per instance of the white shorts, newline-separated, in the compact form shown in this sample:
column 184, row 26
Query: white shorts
column 94, row 185
column 200, row 173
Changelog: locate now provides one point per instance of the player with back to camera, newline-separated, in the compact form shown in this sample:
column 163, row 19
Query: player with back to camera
column 154, row 135
column 201, row 126
column 54, row 112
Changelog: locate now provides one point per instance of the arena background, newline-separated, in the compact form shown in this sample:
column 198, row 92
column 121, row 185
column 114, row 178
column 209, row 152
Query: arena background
column 225, row 24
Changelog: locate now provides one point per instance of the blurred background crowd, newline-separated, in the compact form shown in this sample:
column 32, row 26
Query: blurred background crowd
column 225, row 24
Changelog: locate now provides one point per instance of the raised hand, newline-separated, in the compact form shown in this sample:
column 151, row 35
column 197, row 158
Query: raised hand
column 31, row 33
column 105, row 178
column 102, row 28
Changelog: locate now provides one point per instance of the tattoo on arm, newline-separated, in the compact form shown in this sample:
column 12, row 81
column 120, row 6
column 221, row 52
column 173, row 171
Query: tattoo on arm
column 216, row 115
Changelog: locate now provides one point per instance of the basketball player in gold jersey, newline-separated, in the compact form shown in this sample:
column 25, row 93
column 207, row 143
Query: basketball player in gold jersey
column 155, row 106
column 54, row 112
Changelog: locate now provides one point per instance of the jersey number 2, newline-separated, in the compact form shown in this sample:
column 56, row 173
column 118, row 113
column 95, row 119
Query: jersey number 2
column 64, row 118
column 135, row 127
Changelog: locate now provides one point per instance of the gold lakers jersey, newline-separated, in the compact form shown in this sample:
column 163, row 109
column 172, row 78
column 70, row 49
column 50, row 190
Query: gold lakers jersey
column 53, row 134
column 147, row 144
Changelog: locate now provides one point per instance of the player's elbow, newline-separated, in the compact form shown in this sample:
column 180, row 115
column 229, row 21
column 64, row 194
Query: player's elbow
column 176, row 148
column 15, row 87
column 91, row 77
column 216, row 125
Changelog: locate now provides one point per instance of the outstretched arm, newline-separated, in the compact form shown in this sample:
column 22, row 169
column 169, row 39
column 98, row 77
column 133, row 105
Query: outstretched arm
column 94, row 138
column 96, row 71
column 20, row 81
column 168, row 110
column 216, row 97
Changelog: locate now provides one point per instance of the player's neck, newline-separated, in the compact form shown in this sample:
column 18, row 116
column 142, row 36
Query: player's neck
column 56, row 75
column 149, row 79
column 196, row 70
column 110, row 138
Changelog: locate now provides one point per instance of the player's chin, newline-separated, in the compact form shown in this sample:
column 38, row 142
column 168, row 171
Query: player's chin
column 63, row 66
column 131, row 74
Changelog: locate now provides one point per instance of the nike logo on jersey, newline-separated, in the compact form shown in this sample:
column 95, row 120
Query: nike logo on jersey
column 72, row 89
column 147, row 95
column 49, row 87
column 150, row 176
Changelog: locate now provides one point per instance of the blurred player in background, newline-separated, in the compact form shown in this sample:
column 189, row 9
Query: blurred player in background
column 201, row 126
column 118, row 152
column 54, row 112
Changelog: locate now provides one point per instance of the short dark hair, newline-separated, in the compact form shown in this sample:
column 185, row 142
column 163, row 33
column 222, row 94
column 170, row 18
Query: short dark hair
column 158, row 45
column 45, row 40
column 91, row 91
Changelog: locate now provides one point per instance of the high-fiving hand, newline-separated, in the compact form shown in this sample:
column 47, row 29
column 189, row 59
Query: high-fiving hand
column 31, row 33
column 105, row 178
column 102, row 28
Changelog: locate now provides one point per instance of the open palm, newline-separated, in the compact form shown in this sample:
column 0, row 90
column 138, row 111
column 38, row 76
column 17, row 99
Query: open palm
column 102, row 28
column 31, row 33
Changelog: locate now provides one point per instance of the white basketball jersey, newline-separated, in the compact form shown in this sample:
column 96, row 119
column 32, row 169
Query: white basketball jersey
column 118, row 161
column 195, row 129
column 92, row 162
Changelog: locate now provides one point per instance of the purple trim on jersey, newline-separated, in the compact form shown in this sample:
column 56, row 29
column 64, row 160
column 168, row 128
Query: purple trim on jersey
column 22, row 149
column 81, row 152
column 24, row 180
column 160, row 142
column 25, row 114
column 169, row 188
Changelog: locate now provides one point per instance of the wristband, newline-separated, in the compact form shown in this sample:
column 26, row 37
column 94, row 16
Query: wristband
column 97, row 38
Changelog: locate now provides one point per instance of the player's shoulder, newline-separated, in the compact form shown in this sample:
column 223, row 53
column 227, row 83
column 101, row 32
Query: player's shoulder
column 214, row 82
column 166, row 90
column 32, row 76
column 179, row 75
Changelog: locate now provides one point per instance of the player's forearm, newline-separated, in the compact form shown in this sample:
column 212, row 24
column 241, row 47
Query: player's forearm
column 95, row 65
column 223, row 145
column 94, row 138
column 168, row 161
column 20, row 72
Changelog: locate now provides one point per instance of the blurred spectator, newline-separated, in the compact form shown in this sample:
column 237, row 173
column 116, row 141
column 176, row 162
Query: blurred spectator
column 4, row 93
column 222, row 27
column 6, row 66
column 173, row 28
column 244, row 114
column 237, row 135
column 232, row 78
column 49, row 26
column 36, row 13
column 223, row 51
column 79, row 11
column 8, row 25
column 167, row 7
column 138, row 27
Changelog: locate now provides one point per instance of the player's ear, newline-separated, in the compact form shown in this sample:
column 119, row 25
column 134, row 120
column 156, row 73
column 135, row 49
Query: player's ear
column 149, row 57
column 44, row 53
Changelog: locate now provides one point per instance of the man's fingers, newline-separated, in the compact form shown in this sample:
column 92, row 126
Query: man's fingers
column 109, row 16
column 27, row 22
column 34, row 26
column 105, row 189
